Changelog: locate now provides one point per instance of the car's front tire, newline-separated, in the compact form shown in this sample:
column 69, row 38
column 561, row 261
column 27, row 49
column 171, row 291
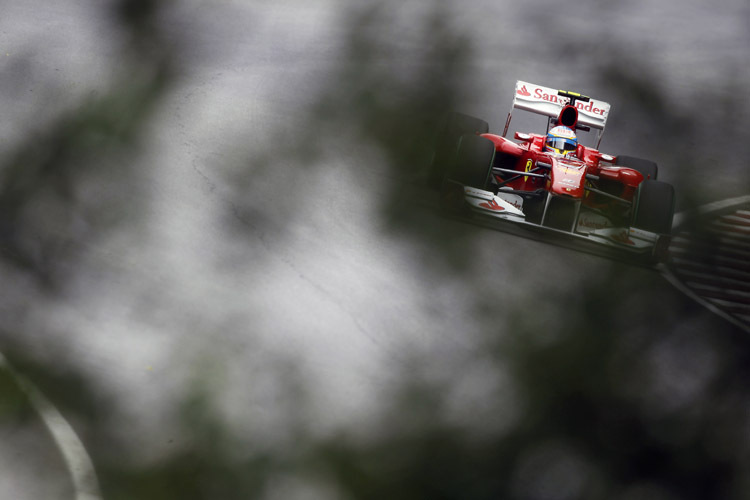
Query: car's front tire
column 450, row 130
column 654, row 208
column 471, row 167
column 473, row 162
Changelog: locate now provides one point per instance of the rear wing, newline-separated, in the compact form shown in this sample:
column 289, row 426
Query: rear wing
column 592, row 113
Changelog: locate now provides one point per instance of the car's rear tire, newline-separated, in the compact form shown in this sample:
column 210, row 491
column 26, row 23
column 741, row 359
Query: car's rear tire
column 647, row 168
column 654, row 208
column 450, row 130
column 473, row 162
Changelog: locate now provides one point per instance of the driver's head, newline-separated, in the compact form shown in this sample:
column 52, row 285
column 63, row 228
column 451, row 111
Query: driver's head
column 561, row 140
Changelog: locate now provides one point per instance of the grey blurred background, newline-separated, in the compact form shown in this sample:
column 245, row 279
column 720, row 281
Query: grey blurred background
column 218, row 260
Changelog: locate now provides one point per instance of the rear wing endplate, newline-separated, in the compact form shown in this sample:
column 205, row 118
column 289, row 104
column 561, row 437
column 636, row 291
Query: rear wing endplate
column 549, row 102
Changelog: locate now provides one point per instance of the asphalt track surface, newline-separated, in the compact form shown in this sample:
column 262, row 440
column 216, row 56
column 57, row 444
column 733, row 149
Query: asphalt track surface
column 299, row 264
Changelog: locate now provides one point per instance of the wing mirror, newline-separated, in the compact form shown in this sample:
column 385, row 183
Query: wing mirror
column 522, row 137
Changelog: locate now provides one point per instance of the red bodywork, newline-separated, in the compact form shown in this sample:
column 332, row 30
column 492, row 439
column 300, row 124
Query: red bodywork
column 582, row 176
column 567, row 175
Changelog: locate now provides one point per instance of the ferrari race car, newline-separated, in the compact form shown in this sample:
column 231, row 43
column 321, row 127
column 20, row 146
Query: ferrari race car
column 550, row 182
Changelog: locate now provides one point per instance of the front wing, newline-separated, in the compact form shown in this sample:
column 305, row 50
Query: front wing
column 504, row 211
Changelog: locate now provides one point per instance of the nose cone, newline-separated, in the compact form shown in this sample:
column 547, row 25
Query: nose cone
column 568, row 178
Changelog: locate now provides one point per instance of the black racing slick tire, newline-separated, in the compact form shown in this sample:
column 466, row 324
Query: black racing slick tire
column 473, row 162
column 654, row 209
column 647, row 168
column 450, row 130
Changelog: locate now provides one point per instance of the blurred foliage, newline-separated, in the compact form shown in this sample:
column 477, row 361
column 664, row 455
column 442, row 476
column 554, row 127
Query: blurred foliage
column 626, row 393
column 701, row 134
column 14, row 407
column 69, row 182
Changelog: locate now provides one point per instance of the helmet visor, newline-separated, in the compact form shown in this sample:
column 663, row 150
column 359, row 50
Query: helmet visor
column 561, row 143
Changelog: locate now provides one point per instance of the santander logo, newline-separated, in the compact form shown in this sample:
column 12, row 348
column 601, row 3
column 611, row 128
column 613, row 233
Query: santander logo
column 537, row 93
column 492, row 205
column 589, row 107
column 522, row 91
column 623, row 237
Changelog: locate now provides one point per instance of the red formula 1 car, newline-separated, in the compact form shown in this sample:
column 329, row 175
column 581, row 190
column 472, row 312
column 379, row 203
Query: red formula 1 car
column 552, row 184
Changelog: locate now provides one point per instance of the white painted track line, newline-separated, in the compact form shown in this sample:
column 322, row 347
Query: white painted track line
column 74, row 454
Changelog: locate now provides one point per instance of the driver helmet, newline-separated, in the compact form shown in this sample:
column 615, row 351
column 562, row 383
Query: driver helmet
column 561, row 140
